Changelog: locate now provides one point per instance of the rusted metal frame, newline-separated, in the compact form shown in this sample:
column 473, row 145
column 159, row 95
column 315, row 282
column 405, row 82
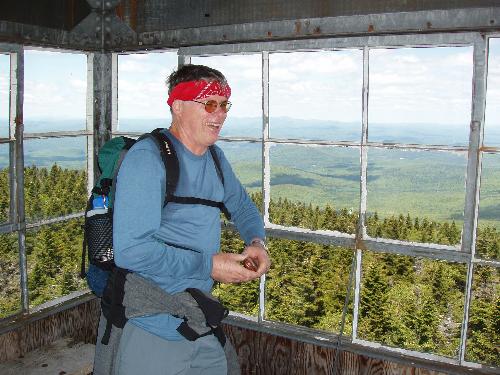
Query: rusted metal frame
column 57, row 134
column 410, row 352
column 465, row 321
column 89, row 122
column 10, row 47
column 432, row 251
column 266, row 163
column 102, row 97
column 473, row 181
column 435, row 21
column 437, row 252
column 119, row 37
column 222, row 139
column 35, row 35
column 266, row 169
column 101, row 29
column 8, row 228
column 324, row 237
column 356, row 42
column 54, row 220
column 114, row 93
column 487, row 262
column 357, row 294
column 361, row 229
column 418, row 147
column 16, row 166
column 183, row 60
column 399, row 146
column 11, row 139
column 335, row 238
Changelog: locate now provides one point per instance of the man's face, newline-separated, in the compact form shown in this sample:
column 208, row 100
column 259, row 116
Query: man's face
column 200, row 128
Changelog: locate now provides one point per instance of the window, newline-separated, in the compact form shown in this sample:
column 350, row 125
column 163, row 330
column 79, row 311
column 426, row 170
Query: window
column 483, row 321
column 412, row 303
column 420, row 95
column 488, row 245
column 358, row 147
column 425, row 189
column 142, row 93
column 54, row 258
column 55, row 171
column 323, row 178
column 367, row 150
column 244, row 75
column 55, row 92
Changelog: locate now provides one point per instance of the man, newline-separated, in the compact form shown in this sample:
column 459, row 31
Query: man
column 177, row 246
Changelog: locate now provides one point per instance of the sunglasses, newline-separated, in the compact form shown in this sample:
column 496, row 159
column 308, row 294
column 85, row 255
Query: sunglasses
column 211, row 105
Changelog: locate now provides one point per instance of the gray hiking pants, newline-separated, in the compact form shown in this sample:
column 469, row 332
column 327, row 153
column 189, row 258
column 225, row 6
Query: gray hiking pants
column 142, row 353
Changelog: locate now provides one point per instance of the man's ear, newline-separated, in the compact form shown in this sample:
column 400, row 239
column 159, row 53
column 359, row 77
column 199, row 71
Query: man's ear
column 177, row 107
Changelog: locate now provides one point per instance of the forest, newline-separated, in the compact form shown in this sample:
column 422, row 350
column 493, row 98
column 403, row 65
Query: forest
column 408, row 302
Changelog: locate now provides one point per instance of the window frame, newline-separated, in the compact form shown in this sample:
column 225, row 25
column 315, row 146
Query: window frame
column 357, row 242
column 465, row 253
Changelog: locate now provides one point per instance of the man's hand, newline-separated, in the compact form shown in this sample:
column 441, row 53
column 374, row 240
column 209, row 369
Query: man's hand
column 258, row 252
column 227, row 268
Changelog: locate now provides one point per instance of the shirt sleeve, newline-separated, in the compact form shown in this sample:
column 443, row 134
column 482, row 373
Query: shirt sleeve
column 244, row 213
column 140, row 193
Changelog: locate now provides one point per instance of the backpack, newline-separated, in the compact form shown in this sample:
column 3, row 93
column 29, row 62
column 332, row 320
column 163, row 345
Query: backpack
column 98, row 225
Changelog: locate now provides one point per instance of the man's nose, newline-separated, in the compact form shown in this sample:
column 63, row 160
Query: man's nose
column 220, row 112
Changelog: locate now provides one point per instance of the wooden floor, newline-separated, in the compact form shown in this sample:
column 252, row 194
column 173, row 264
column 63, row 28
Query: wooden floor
column 62, row 357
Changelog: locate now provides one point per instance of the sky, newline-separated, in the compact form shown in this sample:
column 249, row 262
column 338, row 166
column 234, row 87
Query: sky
column 412, row 85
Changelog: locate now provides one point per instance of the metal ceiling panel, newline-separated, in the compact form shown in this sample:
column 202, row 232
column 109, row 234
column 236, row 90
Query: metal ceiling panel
column 156, row 15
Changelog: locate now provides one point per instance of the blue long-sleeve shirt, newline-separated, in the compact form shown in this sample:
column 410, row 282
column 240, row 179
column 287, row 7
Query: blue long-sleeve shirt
column 173, row 245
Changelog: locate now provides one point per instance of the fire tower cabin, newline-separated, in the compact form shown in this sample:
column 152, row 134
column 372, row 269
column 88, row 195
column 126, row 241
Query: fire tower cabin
column 366, row 132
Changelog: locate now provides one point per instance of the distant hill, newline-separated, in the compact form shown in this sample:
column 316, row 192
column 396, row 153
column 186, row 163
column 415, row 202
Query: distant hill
column 426, row 184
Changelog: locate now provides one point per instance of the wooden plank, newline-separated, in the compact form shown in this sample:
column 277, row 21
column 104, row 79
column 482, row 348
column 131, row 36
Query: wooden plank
column 78, row 323
column 262, row 353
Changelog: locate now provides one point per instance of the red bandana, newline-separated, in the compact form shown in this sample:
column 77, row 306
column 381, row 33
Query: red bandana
column 195, row 90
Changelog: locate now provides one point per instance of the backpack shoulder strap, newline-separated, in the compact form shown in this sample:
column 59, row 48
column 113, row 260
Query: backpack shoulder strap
column 218, row 167
column 170, row 160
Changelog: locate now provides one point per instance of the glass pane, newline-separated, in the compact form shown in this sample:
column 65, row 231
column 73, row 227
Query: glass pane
column 416, row 195
column 246, row 160
column 488, row 234
column 244, row 75
column 54, row 258
column 55, row 177
column 319, row 186
column 55, row 91
column 4, row 94
column 412, row 303
column 492, row 119
column 142, row 93
column 316, row 95
column 10, row 287
column 483, row 333
column 420, row 95
column 307, row 283
column 4, row 183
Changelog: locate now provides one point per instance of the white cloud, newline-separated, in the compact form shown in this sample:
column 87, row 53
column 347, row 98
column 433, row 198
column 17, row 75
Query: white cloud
column 78, row 84
column 409, row 84
column 421, row 85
